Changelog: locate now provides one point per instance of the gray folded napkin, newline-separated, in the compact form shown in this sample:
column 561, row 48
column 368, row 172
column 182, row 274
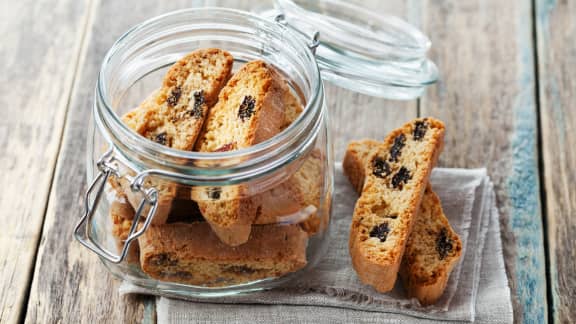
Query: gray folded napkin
column 331, row 292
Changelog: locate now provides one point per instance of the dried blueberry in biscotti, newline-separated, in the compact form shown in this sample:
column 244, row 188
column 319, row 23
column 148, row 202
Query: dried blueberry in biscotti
column 427, row 260
column 377, row 249
column 197, row 110
column 249, row 110
column 400, row 178
column 160, row 138
column 174, row 96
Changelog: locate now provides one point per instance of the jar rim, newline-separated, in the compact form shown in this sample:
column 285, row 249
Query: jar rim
column 106, row 116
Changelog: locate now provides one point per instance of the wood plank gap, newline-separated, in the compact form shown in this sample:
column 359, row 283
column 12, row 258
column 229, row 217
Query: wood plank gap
column 555, row 29
column 541, row 176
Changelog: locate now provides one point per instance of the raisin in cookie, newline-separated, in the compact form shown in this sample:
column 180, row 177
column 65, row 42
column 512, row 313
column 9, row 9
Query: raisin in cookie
column 395, row 178
column 193, row 254
column 433, row 247
column 249, row 110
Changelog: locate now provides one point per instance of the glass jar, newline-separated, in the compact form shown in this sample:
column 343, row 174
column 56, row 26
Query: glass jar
column 269, row 204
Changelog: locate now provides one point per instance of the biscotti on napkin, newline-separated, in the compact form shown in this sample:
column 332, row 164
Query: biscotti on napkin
column 396, row 176
column 193, row 254
column 432, row 251
column 433, row 248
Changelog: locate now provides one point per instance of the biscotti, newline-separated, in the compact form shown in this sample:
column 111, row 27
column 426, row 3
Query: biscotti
column 192, row 254
column 310, row 178
column 395, row 178
column 249, row 111
column 431, row 253
column 356, row 161
column 295, row 200
column 174, row 115
column 433, row 247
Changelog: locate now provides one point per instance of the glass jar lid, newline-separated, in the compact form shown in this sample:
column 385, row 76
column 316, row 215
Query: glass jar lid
column 377, row 55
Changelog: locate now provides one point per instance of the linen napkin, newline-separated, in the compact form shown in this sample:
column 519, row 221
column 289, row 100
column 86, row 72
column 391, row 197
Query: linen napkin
column 477, row 289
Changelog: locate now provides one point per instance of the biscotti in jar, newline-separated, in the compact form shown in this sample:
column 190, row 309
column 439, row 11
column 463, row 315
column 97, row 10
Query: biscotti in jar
column 210, row 161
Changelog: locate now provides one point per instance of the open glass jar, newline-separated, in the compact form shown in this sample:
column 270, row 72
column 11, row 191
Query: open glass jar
column 146, row 208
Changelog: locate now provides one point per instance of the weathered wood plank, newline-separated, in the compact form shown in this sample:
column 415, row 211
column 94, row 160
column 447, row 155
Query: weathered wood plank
column 37, row 64
column 484, row 50
column 556, row 27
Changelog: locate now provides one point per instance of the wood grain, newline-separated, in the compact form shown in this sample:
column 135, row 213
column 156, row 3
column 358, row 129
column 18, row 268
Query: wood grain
column 556, row 27
column 37, row 73
column 486, row 96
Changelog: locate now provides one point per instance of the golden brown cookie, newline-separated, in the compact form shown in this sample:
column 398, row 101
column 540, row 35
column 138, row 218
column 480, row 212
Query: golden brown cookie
column 433, row 247
column 249, row 110
column 193, row 254
column 395, row 178
column 174, row 114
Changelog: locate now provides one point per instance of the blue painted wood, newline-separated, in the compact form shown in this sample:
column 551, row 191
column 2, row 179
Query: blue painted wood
column 555, row 30
column 487, row 98
column 522, row 182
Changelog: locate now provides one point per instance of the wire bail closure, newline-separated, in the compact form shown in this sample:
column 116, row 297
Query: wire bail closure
column 83, row 231
column 315, row 39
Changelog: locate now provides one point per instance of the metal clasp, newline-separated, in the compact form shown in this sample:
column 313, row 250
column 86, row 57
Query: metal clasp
column 315, row 39
column 83, row 230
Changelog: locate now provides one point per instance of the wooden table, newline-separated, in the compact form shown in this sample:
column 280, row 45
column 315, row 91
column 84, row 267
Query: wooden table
column 507, row 94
